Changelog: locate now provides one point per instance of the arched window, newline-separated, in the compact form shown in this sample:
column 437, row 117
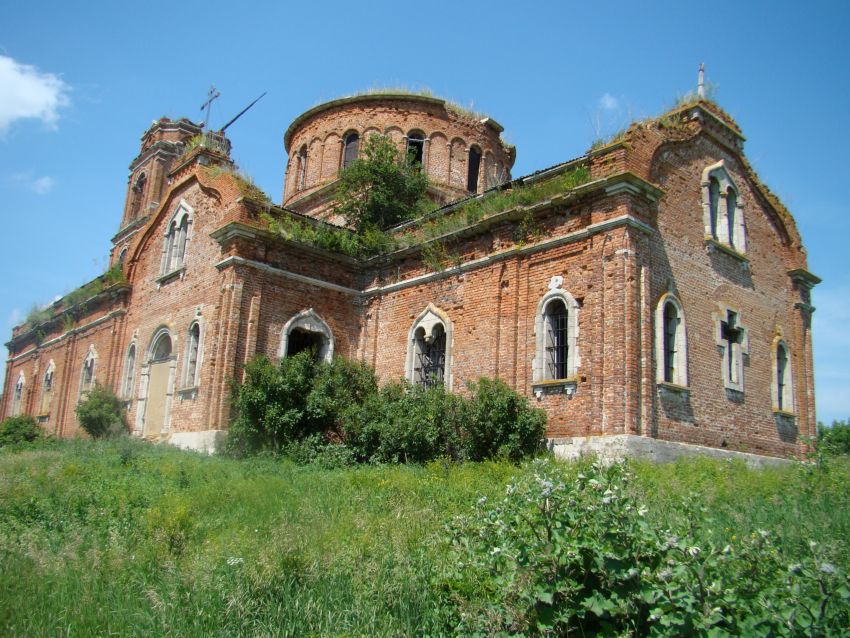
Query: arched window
column 671, row 342
column 415, row 148
column 193, row 343
column 473, row 169
column 161, row 350
column 87, row 374
column 713, row 204
column 47, row 390
column 18, row 397
column 556, row 326
column 350, row 149
column 307, row 331
column 301, row 179
column 429, row 349
column 138, row 193
column 177, row 240
column 722, row 214
column 783, row 395
column 129, row 372
column 122, row 256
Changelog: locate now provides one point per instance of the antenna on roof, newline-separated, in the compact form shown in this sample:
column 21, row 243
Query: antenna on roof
column 242, row 112
column 701, row 81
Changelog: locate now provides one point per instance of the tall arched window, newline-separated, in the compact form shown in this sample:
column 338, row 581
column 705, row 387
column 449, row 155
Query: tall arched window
column 415, row 148
column 671, row 346
column 473, row 169
column 301, row 175
column 87, row 374
column 47, row 390
column 429, row 349
column 176, row 240
column 350, row 149
column 18, row 397
column 193, row 342
column 722, row 214
column 129, row 373
column 713, row 205
column 556, row 327
column 783, row 395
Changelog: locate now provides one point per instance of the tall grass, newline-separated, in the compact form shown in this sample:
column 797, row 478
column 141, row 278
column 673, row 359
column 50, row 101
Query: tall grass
column 123, row 538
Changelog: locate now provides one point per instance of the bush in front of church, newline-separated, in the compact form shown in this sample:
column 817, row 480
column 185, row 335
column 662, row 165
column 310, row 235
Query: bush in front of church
column 101, row 413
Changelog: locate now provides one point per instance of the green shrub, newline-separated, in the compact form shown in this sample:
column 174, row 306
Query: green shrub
column 19, row 429
column 298, row 406
column 101, row 413
column 572, row 551
column 500, row 422
column 834, row 440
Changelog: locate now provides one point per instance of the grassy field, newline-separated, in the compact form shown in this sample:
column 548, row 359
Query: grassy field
column 123, row 538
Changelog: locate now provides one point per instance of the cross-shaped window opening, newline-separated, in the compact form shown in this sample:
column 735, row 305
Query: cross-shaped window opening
column 731, row 335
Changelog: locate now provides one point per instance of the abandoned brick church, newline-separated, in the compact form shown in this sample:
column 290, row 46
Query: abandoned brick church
column 651, row 294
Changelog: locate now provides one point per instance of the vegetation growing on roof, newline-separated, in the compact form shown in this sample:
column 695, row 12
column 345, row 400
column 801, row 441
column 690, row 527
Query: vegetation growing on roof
column 76, row 299
column 458, row 109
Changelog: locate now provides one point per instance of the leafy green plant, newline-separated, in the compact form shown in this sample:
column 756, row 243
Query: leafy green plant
column 101, row 413
column 19, row 429
column 380, row 188
column 835, row 439
column 574, row 551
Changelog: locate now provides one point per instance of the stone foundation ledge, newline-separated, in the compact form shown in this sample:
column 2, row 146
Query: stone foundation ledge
column 619, row 446
column 205, row 441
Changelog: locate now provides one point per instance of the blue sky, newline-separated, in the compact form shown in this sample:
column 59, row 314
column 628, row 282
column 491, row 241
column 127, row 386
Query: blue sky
column 80, row 82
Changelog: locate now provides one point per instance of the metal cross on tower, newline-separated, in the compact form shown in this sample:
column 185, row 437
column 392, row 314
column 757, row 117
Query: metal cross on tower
column 213, row 94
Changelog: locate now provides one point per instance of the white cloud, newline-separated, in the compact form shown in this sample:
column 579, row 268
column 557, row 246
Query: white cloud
column 38, row 185
column 608, row 102
column 29, row 93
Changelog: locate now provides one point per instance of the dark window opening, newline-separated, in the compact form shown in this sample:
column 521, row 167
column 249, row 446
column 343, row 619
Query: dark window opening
column 557, row 343
column 138, row 193
column 713, row 199
column 352, row 148
column 300, row 340
column 430, row 363
column 162, row 349
column 731, row 212
column 781, row 365
column 474, row 168
column 302, row 168
column 415, row 149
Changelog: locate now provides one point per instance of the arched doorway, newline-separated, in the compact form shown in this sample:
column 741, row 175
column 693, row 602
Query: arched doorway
column 307, row 331
column 160, row 384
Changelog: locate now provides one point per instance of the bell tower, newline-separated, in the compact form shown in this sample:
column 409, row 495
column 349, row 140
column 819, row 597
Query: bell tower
column 162, row 144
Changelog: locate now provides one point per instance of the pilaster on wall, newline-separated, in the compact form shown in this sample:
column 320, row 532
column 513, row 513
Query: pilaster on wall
column 226, row 347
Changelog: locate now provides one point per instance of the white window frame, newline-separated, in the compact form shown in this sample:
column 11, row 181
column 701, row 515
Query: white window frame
column 90, row 360
column 717, row 227
column 45, row 394
column 786, row 406
column 540, row 374
column 680, row 361
column 128, row 380
column 428, row 320
column 178, row 234
column 739, row 350
column 18, row 396
column 191, row 378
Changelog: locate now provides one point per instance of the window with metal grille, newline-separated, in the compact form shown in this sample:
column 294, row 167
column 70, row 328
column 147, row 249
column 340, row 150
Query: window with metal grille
column 351, row 149
column 473, row 170
column 429, row 365
column 557, row 339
